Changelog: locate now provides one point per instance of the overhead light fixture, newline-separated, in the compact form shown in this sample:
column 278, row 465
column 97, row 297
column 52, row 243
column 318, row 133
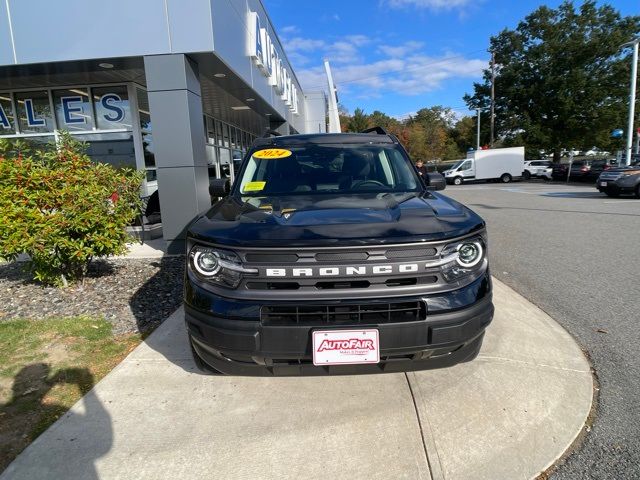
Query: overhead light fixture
column 241, row 107
column 251, row 99
column 219, row 75
column 105, row 65
column 267, row 114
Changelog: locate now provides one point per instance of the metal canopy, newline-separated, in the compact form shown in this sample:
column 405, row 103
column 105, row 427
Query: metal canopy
column 219, row 95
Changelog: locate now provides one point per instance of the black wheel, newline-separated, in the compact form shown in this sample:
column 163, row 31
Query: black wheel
column 526, row 175
column 457, row 181
column 505, row 178
column 637, row 191
column 612, row 194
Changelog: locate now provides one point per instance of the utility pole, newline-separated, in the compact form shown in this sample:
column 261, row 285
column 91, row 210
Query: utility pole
column 478, row 141
column 493, row 95
column 632, row 98
column 334, row 117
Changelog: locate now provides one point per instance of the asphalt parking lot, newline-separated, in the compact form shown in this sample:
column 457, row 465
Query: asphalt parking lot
column 575, row 253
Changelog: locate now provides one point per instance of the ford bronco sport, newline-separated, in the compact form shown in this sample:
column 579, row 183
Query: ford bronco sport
column 330, row 255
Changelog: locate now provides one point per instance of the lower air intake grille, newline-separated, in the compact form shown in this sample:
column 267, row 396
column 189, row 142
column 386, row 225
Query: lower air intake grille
column 355, row 314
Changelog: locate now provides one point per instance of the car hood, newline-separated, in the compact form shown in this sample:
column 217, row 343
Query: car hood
column 304, row 220
column 632, row 169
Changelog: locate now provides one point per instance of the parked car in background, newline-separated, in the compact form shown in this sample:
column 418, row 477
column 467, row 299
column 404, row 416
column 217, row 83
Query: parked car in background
column 547, row 173
column 535, row 168
column 580, row 170
column 599, row 166
column 583, row 170
column 616, row 181
column 559, row 171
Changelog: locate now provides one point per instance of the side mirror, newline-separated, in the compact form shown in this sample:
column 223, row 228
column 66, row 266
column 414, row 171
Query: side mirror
column 436, row 181
column 219, row 187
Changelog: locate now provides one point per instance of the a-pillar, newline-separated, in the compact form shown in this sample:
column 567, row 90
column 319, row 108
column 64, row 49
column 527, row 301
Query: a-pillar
column 175, row 103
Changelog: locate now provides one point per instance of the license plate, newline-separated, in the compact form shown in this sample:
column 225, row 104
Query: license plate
column 345, row 347
column 603, row 184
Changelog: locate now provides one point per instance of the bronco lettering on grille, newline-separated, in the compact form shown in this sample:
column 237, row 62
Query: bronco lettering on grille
column 345, row 271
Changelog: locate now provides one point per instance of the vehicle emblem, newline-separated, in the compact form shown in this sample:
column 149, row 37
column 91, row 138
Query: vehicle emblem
column 287, row 212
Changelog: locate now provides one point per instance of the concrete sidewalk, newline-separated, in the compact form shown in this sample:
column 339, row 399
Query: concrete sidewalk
column 156, row 248
column 507, row 415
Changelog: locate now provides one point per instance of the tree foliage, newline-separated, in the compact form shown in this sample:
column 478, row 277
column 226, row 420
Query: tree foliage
column 358, row 121
column 561, row 78
column 429, row 135
column 62, row 209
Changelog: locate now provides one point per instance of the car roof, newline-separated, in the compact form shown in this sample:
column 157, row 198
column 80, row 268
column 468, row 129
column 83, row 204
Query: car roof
column 325, row 138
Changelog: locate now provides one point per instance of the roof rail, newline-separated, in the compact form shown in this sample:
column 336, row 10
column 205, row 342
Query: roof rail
column 378, row 130
column 271, row 133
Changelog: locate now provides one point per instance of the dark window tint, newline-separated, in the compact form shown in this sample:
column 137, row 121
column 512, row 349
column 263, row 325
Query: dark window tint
column 328, row 169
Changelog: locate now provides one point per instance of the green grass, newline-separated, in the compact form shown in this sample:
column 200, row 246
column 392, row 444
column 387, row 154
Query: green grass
column 45, row 367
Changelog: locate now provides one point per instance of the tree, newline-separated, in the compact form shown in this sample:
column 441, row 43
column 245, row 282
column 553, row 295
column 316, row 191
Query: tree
column 431, row 127
column 358, row 122
column 62, row 209
column 464, row 134
column 343, row 116
column 390, row 124
column 561, row 80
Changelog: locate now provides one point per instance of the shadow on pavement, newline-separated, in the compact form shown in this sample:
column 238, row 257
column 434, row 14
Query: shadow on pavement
column 28, row 413
column 595, row 195
column 162, row 294
column 551, row 210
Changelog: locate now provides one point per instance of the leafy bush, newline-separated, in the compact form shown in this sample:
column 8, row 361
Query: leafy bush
column 62, row 209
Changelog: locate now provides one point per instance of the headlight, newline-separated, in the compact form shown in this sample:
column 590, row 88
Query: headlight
column 463, row 258
column 206, row 263
column 470, row 253
column 220, row 267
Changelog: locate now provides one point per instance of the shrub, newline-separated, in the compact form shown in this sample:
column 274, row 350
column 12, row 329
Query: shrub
column 62, row 209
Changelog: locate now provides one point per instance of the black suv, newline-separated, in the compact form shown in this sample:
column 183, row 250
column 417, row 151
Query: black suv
column 616, row 181
column 330, row 255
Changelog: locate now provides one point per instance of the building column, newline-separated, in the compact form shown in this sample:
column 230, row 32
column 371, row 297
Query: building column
column 175, row 103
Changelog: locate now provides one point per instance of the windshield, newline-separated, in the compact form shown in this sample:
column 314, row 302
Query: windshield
column 456, row 165
column 325, row 169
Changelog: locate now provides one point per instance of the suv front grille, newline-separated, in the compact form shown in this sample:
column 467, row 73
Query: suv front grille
column 342, row 314
column 610, row 176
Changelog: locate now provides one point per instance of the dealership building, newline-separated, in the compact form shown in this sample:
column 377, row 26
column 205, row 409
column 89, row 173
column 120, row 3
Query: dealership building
column 178, row 89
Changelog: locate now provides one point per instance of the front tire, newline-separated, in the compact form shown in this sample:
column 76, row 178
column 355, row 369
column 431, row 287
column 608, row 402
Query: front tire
column 612, row 194
column 505, row 178
column 457, row 181
column 526, row 175
column 637, row 191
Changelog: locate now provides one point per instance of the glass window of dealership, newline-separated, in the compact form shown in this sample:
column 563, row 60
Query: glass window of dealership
column 114, row 122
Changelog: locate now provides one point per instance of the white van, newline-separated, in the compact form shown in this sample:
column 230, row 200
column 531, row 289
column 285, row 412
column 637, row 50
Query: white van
column 504, row 164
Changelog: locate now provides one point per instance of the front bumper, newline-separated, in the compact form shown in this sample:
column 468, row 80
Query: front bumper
column 614, row 186
column 450, row 333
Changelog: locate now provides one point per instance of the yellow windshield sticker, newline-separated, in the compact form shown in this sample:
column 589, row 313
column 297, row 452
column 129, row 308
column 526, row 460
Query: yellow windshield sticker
column 272, row 153
column 254, row 186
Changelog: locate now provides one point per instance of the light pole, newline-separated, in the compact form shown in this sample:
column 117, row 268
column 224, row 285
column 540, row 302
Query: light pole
column 478, row 134
column 493, row 95
column 632, row 98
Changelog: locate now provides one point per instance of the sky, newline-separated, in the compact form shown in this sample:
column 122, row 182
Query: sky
column 398, row 56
